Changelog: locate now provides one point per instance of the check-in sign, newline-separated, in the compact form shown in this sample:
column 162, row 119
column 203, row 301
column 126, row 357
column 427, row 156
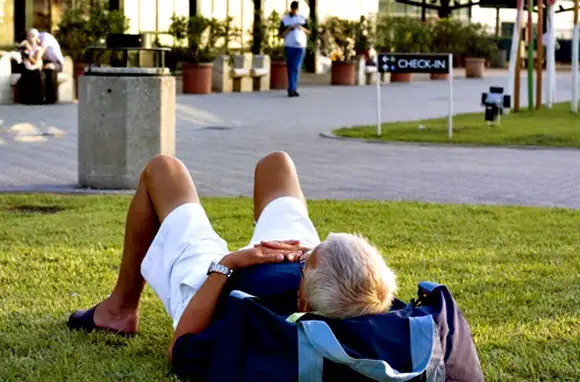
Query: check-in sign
column 413, row 63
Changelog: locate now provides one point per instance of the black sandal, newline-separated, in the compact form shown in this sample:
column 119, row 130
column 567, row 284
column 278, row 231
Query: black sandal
column 85, row 320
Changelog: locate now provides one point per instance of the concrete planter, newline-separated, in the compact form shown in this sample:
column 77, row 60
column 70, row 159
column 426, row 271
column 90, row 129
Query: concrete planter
column 278, row 75
column 343, row 73
column 474, row 67
column 197, row 78
column 401, row 77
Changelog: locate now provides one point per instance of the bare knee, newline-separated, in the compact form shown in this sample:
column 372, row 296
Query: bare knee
column 160, row 164
column 277, row 160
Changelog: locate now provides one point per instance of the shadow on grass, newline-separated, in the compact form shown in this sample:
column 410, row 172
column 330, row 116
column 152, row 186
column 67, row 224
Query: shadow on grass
column 34, row 209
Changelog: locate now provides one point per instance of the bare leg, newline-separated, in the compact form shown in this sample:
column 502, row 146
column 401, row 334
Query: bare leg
column 275, row 176
column 164, row 185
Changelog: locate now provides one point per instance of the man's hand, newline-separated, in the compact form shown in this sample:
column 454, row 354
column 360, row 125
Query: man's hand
column 285, row 245
column 260, row 254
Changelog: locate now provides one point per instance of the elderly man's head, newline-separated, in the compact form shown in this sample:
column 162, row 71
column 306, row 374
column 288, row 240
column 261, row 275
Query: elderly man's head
column 345, row 276
column 32, row 35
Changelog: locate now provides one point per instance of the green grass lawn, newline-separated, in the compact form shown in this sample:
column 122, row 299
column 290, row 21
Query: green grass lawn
column 514, row 272
column 557, row 127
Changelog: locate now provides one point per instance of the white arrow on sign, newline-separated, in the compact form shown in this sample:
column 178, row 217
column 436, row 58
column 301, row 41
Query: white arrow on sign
column 385, row 67
column 385, row 58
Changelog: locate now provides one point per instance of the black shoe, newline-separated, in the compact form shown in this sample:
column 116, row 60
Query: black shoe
column 85, row 320
column 293, row 93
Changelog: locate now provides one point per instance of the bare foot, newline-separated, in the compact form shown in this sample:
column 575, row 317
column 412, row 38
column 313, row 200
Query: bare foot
column 108, row 315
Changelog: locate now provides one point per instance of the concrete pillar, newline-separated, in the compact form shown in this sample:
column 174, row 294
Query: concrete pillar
column 122, row 123
column 6, row 22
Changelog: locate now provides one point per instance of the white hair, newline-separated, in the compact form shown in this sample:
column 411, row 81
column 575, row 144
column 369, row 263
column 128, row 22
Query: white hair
column 34, row 32
column 350, row 278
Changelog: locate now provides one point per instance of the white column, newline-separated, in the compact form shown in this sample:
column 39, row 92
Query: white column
column 514, row 50
column 575, row 42
column 551, row 57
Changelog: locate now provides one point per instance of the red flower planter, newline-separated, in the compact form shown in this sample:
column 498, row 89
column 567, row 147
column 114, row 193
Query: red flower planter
column 278, row 75
column 401, row 77
column 439, row 76
column 343, row 73
column 474, row 67
column 197, row 78
column 78, row 70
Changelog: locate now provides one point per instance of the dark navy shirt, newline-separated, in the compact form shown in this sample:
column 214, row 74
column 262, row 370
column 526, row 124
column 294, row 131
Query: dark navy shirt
column 277, row 287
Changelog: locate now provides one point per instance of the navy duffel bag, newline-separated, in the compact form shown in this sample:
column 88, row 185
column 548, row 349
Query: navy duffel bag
column 425, row 340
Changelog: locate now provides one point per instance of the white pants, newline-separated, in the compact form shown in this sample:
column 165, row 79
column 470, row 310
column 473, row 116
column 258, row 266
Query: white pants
column 176, row 264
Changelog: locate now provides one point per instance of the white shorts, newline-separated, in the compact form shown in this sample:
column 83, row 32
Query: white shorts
column 176, row 264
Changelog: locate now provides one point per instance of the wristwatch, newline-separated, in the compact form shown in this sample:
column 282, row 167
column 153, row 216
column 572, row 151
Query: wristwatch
column 219, row 268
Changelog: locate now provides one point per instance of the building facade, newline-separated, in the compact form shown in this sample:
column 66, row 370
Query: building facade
column 487, row 16
column 153, row 16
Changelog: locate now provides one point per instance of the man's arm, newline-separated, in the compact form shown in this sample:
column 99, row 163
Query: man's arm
column 36, row 57
column 305, row 27
column 199, row 312
column 284, row 30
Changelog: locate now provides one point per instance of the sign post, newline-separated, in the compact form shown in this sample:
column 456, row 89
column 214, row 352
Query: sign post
column 441, row 63
column 379, row 117
column 575, row 56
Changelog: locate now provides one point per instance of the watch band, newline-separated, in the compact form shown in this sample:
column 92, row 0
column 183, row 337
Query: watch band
column 219, row 268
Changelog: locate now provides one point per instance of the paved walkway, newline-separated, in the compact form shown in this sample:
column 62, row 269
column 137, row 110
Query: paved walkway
column 220, row 137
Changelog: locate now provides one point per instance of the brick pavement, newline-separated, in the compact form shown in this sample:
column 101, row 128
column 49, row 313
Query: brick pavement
column 221, row 160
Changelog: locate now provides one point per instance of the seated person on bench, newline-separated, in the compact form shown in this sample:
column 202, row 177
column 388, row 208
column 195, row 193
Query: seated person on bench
column 53, row 64
column 31, row 86
column 53, row 57
column 170, row 243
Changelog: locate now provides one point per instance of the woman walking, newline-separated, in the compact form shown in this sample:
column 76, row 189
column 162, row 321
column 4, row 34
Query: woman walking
column 294, row 31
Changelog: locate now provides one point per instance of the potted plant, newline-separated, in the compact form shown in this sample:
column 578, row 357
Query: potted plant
column 446, row 37
column 196, row 45
column 479, row 49
column 81, row 27
column 402, row 35
column 273, row 46
column 337, row 40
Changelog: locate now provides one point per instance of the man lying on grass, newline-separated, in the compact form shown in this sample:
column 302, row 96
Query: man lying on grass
column 170, row 243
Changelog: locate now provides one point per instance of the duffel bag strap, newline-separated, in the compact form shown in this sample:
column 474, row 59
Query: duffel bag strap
column 316, row 341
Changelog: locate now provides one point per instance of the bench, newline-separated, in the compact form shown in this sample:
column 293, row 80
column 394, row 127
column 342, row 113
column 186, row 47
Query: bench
column 365, row 74
column 9, row 80
column 5, row 71
column 260, row 73
column 232, row 74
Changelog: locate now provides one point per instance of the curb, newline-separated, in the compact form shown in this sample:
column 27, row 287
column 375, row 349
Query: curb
column 331, row 135
column 65, row 190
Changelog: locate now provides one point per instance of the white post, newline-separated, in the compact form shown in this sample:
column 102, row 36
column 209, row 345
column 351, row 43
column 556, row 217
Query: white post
column 575, row 42
column 450, row 122
column 554, row 42
column 551, row 57
column 514, row 50
column 378, row 101
column 548, row 45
